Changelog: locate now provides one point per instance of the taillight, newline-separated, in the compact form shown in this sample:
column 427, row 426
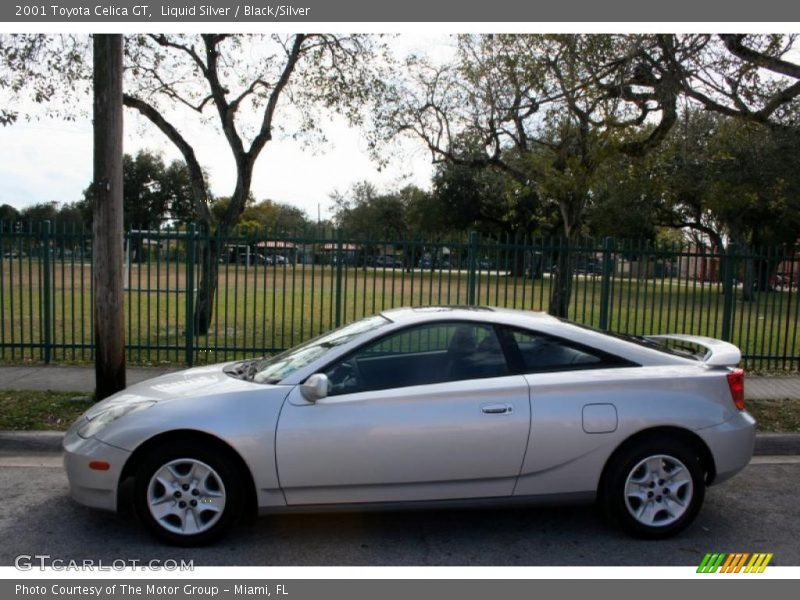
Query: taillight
column 736, row 385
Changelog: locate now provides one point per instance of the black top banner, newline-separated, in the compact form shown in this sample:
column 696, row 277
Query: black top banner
column 460, row 11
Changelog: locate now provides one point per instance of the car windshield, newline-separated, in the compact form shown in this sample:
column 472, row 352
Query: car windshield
column 278, row 367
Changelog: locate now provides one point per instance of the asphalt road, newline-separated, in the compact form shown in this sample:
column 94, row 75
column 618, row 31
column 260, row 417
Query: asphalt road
column 755, row 512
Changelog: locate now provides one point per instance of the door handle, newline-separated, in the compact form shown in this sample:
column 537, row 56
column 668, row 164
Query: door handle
column 496, row 409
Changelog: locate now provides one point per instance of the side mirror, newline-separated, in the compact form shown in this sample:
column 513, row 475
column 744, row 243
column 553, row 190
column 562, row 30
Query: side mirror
column 315, row 388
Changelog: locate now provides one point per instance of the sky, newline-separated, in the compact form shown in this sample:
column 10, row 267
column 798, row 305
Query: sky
column 51, row 160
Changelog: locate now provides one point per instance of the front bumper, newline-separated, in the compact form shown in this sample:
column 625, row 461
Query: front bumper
column 731, row 444
column 87, row 486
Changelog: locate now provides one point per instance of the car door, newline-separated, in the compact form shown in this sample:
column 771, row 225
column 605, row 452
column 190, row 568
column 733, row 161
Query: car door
column 574, row 414
column 427, row 413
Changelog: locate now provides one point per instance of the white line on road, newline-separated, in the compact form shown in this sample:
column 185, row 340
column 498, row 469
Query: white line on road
column 48, row 461
column 790, row 459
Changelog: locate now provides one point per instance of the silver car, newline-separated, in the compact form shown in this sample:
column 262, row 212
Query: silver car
column 424, row 407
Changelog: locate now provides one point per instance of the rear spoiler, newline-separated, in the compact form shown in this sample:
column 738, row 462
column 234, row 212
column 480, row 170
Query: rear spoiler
column 718, row 353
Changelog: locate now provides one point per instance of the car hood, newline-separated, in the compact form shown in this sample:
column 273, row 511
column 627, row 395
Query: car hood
column 210, row 380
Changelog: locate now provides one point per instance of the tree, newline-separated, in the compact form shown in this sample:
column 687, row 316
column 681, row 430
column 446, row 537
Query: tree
column 720, row 180
column 43, row 69
column 9, row 213
column 724, row 178
column 177, row 189
column 275, row 217
column 153, row 192
column 60, row 215
column 752, row 77
column 252, row 88
column 624, row 201
column 144, row 198
column 70, row 215
column 281, row 79
column 424, row 213
column 364, row 211
column 403, row 213
column 733, row 180
column 489, row 201
column 40, row 211
column 547, row 111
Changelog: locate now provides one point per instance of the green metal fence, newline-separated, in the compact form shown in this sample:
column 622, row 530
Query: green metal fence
column 275, row 291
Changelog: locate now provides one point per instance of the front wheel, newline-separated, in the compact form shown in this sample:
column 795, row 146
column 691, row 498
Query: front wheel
column 654, row 489
column 186, row 495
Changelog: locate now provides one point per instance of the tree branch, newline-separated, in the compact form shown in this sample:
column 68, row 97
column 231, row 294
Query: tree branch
column 734, row 44
column 199, row 189
column 163, row 41
column 265, row 132
column 218, row 91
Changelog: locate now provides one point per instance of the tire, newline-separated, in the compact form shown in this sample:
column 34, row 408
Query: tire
column 654, row 489
column 188, row 495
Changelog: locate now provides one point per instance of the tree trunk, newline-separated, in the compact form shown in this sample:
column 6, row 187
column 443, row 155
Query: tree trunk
column 766, row 273
column 742, row 249
column 207, row 286
column 521, row 260
column 210, row 252
column 107, row 225
column 749, row 275
column 561, row 283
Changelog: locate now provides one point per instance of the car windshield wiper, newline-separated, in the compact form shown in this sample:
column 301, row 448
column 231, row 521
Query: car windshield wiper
column 243, row 369
column 252, row 369
column 257, row 366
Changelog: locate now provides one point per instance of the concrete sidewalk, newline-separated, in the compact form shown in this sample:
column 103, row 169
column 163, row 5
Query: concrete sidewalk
column 772, row 388
column 66, row 378
column 81, row 379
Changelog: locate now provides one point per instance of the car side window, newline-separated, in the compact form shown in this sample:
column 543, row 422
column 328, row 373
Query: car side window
column 542, row 353
column 422, row 355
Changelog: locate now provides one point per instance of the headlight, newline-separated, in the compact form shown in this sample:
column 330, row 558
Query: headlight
column 112, row 413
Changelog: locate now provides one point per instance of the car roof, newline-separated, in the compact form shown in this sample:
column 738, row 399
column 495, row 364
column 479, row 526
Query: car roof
column 469, row 313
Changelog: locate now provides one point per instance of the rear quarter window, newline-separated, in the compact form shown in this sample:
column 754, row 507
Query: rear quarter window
column 539, row 352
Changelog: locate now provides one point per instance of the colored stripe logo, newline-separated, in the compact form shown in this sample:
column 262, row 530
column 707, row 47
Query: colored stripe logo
column 736, row 562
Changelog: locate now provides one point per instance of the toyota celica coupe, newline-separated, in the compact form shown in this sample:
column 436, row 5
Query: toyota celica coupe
column 424, row 407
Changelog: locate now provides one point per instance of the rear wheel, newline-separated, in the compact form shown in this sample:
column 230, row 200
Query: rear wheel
column 654, row 489
column 186, row 495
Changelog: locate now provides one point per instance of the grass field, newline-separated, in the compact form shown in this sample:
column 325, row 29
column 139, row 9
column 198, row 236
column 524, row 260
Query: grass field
column 266, row 308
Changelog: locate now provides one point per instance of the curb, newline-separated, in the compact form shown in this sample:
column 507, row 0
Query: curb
column 49, row 442
column 773, row 444
column 31, row 442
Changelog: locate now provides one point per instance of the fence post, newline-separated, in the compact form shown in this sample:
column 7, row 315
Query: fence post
column 472, row 260
column 605, row 285
column 338, row 292
column 190, row 259
column 46, row 294
column 728, row 277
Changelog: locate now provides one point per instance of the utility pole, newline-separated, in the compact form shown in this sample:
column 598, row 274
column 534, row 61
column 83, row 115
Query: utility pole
column 107, row 227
